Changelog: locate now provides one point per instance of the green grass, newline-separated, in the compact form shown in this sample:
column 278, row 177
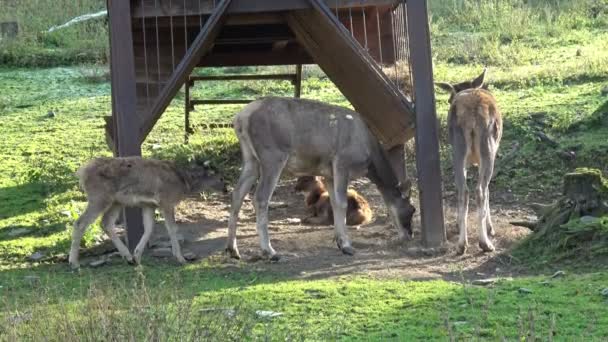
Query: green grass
column 547, row 62
column 34, row 47
column 346, row 308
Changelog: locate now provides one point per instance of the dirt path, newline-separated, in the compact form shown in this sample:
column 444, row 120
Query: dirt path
column 309, row 251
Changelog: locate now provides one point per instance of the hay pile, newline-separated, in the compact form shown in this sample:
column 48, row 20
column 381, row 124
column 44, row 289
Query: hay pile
column 400, row 75
column 575, row 226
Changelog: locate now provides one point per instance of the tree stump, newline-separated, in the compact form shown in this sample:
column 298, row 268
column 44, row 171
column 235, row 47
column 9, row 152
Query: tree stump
column 573, row 225
column 585, row 193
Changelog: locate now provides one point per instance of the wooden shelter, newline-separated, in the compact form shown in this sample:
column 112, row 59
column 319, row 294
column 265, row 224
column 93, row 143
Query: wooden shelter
column 156, row 44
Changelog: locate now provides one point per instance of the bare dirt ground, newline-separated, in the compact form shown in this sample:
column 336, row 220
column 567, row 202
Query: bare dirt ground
column 310, row 252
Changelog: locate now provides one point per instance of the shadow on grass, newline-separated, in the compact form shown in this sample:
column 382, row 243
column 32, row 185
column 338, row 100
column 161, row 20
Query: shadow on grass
column 27, row 198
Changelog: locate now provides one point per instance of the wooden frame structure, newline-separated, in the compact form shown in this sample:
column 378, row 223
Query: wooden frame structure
column 155, row 45
column 189, row 103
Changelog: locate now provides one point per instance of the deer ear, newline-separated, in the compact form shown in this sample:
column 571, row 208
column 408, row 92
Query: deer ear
column 446, row 87
column 478, row 82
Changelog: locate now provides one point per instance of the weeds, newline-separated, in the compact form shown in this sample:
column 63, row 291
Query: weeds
column 34, row 47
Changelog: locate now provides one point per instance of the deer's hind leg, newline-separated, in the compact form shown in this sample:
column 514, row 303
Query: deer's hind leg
column 486, row 168
column 171, row 225
column 92, row 212
column 248, row 176
column 460, row 179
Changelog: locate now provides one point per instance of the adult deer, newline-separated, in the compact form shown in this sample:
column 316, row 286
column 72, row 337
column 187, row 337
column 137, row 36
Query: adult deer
column 474, row 129
column 311, row 138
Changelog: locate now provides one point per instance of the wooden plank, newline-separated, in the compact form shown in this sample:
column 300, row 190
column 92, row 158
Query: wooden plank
column 285, row 77
column 384, row 108
column 218, row 102
column 427, row 137
column 124, row 99
column 160, row 8
column 201, row 45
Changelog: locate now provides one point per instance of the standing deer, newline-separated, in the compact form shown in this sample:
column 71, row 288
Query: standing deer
column 112, row 183
column 310, row 138
column 474, row 130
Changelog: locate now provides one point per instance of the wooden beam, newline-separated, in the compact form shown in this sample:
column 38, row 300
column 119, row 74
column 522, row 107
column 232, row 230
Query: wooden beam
column 427, row 137
column 283, row 77
column 384, row 108
column 219, row 102
column 201, row 45
column 164, row 8
column 124, row 100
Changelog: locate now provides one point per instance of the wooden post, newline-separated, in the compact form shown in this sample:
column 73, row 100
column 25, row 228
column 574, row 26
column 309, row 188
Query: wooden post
column 427, row 139
column 298, row 81
column 187, row 129
column 122, row 65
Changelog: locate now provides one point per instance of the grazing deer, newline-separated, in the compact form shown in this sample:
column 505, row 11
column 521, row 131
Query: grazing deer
column 317, row 201
column 474, row 129
column 310, row 138
column 112, row 183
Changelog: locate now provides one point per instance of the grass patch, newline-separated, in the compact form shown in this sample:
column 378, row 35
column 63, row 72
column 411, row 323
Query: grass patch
column 33, row 47
column 122, row 302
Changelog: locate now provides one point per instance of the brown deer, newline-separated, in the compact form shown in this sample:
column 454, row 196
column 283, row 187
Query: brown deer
column 311, row 138
column 474, row 131
column 112, row 183
column 317, row 201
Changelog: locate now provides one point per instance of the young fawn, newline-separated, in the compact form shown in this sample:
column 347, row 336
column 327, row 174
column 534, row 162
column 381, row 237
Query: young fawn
column 475, row 130
column 317, row 200
column 112, row 183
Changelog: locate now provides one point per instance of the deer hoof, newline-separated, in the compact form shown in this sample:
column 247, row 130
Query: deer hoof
column 461, row 249
column 486, row 246
column 233, row 253
column 348, row 250
column 270, row 255
column 491, row 231
column 131, row 260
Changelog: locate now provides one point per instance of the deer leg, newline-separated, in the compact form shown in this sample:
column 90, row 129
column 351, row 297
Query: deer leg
column 486, row 168
column 93, row 210
column 337, row 189
column 490, row 225
column 148, row 218
column 460, row 175
column 169, row 215
column 108, row 222
column 268, row 181
column 248, row 177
